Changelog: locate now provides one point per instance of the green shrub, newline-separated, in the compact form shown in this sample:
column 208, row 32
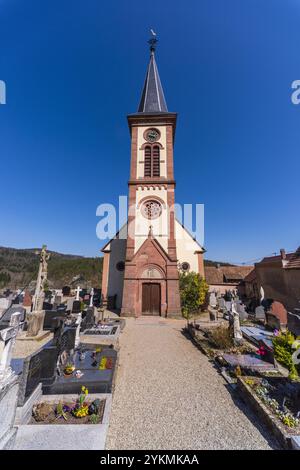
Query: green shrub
column 283, row 352
column 193, row 290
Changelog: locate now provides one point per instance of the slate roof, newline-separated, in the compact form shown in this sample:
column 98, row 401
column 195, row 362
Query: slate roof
column 152, row 99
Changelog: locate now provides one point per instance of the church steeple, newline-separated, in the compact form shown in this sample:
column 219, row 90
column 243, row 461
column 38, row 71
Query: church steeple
column 152, row 99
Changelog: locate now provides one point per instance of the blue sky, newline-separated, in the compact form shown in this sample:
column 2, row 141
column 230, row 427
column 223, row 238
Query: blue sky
column 74, row 70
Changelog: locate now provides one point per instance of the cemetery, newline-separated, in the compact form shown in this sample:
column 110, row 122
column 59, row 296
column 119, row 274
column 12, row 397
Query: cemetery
column 50, row 377
column 258, row 356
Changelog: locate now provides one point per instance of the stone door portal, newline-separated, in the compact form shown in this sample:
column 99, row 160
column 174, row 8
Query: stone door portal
column 151, row 299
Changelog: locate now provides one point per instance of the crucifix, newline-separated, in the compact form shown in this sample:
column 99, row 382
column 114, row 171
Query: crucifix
column 77, row 292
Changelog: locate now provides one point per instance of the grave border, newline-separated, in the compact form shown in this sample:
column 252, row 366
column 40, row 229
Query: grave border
column 273, row 424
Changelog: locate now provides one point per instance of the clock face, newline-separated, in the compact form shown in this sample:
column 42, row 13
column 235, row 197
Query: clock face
column 152, row 135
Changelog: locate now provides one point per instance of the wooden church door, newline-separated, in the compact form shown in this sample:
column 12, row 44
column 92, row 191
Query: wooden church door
column 151, row 299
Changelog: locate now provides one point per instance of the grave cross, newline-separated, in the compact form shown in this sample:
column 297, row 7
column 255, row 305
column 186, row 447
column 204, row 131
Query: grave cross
column 77, row 292
column 7, row 341
column 78, row 324
column 91, row 297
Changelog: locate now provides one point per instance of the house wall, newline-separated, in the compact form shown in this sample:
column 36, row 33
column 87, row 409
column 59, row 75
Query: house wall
column 186, row 248
column 159, row 225
column 279, row 284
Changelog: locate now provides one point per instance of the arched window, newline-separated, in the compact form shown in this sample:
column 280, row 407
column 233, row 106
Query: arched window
column 152, row 161
column 155, row 161
column 147, row 171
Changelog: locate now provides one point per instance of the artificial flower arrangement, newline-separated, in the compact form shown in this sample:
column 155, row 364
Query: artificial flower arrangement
column 81, row 409
column 69, row 369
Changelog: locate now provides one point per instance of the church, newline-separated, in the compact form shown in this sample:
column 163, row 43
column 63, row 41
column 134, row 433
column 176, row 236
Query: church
column 142, row 261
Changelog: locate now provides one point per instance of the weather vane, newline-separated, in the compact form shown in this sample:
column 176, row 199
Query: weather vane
column 152, row 41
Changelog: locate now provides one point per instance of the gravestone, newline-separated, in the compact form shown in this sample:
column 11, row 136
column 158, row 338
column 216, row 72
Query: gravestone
column 260, row 313
column 9, row 384
column 4, row 303
column 47, row 306
column 41, row 366
column 58, row 299
column 241, row 310
column 77, row 334
column 279, row 311
column 35, row 321
column 221, row 303
column 38, row 367
column 70, row 304
column 76, row 306
column 27, row 300
column 66, row 291
column 212, row 300
column 272, row 321
column 49, row 317
column 88, row 319
column 5, row 319
column 7, row 341
column 237, row 332
column 8, row 405
column 294, row 323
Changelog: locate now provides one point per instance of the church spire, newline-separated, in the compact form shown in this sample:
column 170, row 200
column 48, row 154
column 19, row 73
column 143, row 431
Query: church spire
column 153, row 99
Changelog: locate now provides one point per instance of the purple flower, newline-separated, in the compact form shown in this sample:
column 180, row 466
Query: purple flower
column 276, row 332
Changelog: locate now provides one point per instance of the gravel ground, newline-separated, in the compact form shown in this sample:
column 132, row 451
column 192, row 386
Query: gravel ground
column 169, row 396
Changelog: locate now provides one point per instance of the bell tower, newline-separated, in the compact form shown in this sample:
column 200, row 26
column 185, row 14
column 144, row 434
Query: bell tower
column 151, row 283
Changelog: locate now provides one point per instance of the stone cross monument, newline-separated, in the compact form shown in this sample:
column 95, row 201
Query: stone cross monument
column 35, row 319
column 39, row 295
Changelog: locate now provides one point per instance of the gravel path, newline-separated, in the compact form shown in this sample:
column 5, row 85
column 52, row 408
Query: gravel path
column 169, row 396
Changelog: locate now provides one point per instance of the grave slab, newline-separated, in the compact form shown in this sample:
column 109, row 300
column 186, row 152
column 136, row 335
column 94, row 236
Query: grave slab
column 247, row 361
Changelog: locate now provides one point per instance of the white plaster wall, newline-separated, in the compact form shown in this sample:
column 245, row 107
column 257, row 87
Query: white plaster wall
column 163, row 152
column 159, row 225
column 186, row 247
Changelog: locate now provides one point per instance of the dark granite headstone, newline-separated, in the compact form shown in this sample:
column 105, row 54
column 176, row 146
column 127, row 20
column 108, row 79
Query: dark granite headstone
column 76, row 306
column 88, row 319
column 38, row 367
column 47, row 306
column 66, row 290
column 50, row 315
column 273, row 321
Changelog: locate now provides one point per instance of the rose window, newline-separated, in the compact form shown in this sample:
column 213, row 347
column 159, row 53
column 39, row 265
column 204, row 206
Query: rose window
column 151, row 209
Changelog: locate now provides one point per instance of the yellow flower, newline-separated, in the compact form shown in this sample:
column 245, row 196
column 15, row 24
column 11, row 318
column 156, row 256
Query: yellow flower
column 86, row 391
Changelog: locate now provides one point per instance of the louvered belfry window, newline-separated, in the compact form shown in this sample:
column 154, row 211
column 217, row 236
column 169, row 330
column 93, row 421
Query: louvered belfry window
column 152, row 161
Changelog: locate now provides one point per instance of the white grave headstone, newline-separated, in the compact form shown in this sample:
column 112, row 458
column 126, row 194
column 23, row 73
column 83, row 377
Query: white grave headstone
column 77, row 292
column 78, row 324
column 91, row 297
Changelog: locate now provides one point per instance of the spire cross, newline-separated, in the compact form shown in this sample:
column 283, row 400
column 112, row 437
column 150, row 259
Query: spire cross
column 152, row 41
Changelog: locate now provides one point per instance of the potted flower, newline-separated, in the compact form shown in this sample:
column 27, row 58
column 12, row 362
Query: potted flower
column 81, row 409
column 69, row 369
